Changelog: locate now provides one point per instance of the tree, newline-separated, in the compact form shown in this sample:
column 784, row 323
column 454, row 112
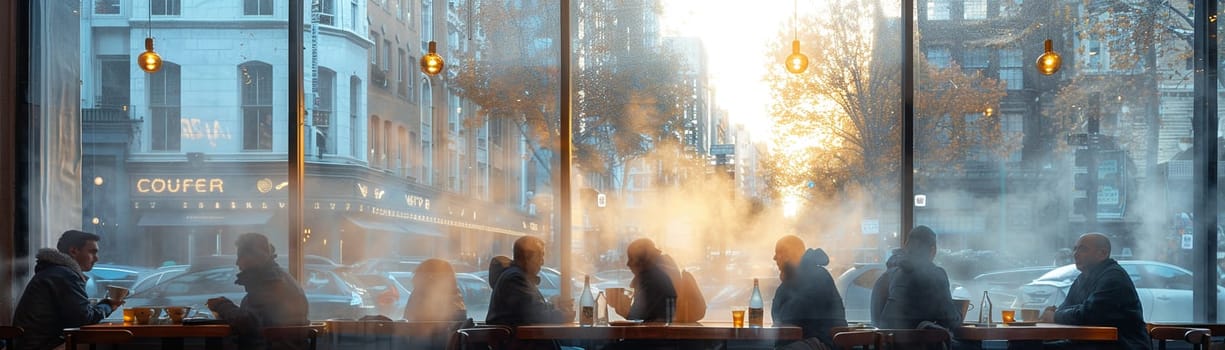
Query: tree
column 838, row 125
column 628, row 98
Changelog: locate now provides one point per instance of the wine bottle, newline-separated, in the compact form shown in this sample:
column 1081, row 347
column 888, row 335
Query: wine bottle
column 756, row 309
column 586, row 316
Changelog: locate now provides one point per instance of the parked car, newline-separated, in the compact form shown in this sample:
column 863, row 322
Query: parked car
column 388, row 294
column 550, row 283
column 328, row 295
column 855, row 287
column 474, row 289
column 721, row 299
column 103, row 275
column 1004, row 287
column 153, row 278
column 402, row 264
column 1164, row 290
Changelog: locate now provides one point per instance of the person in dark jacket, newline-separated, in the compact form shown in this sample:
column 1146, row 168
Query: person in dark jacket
column 807, row 296
column 516, row 299
column 919, row 290
column 1103, row 295
column 436, row 295
column 496, row 266
column 880, row 290
column 652, row 285
column 55, row 297
column 274, row 298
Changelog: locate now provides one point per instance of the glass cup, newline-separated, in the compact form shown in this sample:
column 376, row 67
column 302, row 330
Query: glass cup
column 738, row 316
column 129, row 316
column 1029, row 315
column 1008, row 316
column 670, row 310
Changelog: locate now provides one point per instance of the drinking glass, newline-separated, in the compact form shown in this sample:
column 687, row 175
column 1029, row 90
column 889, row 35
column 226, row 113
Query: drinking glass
column 1008, row 316
column 738, row 317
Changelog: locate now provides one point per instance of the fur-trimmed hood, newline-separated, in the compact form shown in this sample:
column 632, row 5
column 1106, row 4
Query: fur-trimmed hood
column 48, row 257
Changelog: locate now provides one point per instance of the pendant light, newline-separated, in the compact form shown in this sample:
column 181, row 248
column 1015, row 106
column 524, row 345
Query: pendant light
column 432, row 63
column 149, row 61
column 796, row 63
column 1049, row 62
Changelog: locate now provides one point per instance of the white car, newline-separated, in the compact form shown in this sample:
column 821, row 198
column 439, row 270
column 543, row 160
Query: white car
column 1164, row 290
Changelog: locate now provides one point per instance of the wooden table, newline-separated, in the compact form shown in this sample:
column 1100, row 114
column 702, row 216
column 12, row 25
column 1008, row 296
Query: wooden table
column 172, row 335
column 1039, row 332
column 658, row 331
column 350, row 334
column 1217, row 329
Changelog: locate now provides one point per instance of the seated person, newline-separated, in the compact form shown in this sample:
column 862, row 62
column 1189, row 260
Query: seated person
column 919, row 290
column 652, row 285
column 1103, row 295
column 807, row 296
column 55, row 297
column 436, row 295
column 274, row 298
column 516, row 299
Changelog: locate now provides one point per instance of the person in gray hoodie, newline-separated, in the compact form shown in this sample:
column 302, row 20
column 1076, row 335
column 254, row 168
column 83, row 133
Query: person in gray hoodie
column 807, row 296
column 919, row 290
column 274, row 298
column 55, row 297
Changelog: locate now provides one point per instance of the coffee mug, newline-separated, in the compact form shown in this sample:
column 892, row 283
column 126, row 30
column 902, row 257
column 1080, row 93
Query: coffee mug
column 117, row 293
column 176, row 313
column 143, row 314
column 1029, row 315
column 964, row 306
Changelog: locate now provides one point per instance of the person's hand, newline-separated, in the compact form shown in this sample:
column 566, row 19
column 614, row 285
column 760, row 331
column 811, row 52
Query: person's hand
column 112, row 302
column 565, row 306
column 214, row 303
column 1048, row 315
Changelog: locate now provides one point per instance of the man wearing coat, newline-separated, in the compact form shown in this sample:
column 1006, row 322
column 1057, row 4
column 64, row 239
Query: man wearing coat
column 55, row 297
column 274, row 298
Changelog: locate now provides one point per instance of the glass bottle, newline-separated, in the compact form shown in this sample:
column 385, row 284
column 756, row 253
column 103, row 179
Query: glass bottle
column 756, row 309
column 601, row 309
column 984, row 309
column 586, row 316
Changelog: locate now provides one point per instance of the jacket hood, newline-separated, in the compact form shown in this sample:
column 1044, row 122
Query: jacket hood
column 911, row 262
column 814, row 257
column 262, row 273
column 896, row 259
column 48, row 257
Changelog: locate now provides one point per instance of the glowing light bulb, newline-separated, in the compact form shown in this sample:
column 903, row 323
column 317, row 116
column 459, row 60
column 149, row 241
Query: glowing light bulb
column 432, row 63
column 97, row 181
column 149, row 61
column 1050, row 61
column 95, row 220
column 796, row 62
column 989, row 112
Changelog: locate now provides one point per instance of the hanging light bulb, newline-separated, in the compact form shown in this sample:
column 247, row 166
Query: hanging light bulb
column 989, row 112
column 149, row 61
column 796, row 62
column 97, row 181
column 432, row 63
column 1049, row 62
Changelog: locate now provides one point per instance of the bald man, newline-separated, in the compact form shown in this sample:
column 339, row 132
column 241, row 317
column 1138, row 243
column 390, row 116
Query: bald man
column 1103, row 295
column 653, row 286
column 516, row 299
column 807, row 296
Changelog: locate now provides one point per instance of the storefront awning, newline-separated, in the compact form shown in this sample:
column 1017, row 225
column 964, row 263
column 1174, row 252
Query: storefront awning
column 205, row 218
column 420, row 229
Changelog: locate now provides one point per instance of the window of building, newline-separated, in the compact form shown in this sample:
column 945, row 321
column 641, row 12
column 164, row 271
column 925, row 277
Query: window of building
column 374, row 51
column 427, row 23
column 454, row 109
column 115, row 82
column 976, row 60
column 164, row 107
column 389, row 145
column 402, row 75
column 373, row 134
column 402, row 151
column 327, row 11
column 975, row 9
column 257, row 7
column 1013, row 128
column 938, row 10
column 386, row 59
column 427, row 136
column 255, row 80
column 938, row 56
column 165, row 7
column 324, row 109
column 107, row 7
column 1012, row 69
column 355, row 103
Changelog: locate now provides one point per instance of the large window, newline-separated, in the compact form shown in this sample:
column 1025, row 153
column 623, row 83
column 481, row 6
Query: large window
column 166, row 7
column 327, row 11
column 164, row 103
column 325, row 140
column 257, row 7
column 255, row 84
column 355, row 140
column 107, row 7
column 1011, row 69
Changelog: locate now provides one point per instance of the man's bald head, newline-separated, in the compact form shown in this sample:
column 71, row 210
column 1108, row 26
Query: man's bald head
column 1091, row 248
column 788, row 250
column 528, row 252
column 641, row 253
